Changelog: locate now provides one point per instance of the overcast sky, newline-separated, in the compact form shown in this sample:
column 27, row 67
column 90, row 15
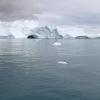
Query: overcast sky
column 58, row 12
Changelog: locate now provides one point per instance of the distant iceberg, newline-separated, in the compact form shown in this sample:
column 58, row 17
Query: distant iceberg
column 46, row 32
column 7, row 37
column 62, row 62
column 82, row 37
column 17, row 29
column 57, row 44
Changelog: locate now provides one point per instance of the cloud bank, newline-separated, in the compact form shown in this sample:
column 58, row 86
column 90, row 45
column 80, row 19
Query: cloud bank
column 62, row 12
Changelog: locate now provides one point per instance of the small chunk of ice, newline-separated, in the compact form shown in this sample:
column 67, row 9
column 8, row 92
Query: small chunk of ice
column 62, row 62
column 57, row 44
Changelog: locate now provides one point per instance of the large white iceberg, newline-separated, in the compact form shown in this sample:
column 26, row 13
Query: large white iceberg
column 46, row 32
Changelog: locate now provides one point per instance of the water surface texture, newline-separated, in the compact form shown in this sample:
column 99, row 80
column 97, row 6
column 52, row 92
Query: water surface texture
column 29, row 70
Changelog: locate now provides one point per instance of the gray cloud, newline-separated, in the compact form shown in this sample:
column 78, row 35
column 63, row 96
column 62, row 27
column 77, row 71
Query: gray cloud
column 82, row 19
column 58, row 12
column 15, row 9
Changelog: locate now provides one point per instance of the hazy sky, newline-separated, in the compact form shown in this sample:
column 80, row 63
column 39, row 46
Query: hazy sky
column 58, row 12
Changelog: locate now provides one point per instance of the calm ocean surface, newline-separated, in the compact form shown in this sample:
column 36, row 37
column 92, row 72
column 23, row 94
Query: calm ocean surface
column 29, row 70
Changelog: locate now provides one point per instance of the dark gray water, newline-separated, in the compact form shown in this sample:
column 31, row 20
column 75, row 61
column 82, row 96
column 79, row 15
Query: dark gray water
column 29, row 70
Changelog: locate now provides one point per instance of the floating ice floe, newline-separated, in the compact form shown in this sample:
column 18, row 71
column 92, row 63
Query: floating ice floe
column 62, row 62
column 57, row 44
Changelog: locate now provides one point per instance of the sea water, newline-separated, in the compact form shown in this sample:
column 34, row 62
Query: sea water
column 29, row 69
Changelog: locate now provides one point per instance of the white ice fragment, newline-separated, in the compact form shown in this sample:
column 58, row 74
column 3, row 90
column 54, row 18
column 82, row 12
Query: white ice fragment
column 62, row 62
column 57, row 44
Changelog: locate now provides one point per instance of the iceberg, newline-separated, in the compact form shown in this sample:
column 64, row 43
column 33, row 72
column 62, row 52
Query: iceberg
column 46, row 32
column 7, row 37
column 17, row 29
column 82, row 37
column 55, row 34
column 62, row 62
column 57, row 44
